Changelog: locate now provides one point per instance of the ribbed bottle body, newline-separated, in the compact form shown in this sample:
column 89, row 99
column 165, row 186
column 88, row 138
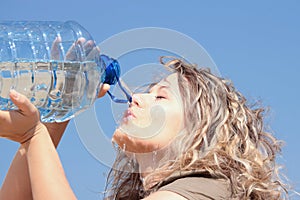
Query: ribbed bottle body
column 56, row 65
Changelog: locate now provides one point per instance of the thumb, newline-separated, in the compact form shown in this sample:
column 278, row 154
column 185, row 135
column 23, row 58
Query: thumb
column 22, row 102
column 104, row 88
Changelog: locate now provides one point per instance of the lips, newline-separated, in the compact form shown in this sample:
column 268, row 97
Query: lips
column 129, row 114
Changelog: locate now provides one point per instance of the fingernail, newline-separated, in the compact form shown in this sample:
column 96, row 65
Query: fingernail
column 14, row 94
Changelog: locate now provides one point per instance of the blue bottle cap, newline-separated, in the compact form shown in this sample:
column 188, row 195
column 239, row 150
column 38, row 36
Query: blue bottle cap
column 112, row 70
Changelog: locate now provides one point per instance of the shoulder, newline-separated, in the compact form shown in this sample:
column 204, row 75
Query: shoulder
column 199, row 188
column 165, row 195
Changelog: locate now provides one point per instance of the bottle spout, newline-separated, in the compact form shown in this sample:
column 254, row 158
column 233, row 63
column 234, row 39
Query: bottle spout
column 112, row 76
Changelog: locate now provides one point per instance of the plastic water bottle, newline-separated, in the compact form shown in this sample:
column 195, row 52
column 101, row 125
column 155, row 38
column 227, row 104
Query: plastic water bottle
column 57, row 65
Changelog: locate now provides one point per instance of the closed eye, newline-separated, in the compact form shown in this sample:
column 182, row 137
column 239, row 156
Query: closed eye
column 162, row 93
column 160, row 97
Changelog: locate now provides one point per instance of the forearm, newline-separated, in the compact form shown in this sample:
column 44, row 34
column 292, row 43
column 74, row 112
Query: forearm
column 17, row 183
column 47, row 177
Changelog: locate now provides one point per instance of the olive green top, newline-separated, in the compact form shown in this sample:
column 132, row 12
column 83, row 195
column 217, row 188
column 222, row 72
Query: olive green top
column 195, row 186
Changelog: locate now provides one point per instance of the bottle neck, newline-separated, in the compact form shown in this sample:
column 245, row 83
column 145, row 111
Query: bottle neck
column 112, row 77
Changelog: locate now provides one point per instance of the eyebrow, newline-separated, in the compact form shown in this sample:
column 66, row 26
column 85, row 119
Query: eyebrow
column 159, row 87
column 148, row 87
column 158, row 83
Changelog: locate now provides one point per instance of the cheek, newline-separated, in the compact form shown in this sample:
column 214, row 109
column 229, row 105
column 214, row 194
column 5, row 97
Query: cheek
column 172, row 127
column 147, row 125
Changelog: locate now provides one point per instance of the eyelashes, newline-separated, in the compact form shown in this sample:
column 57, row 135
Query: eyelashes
column 162, row 93
column 159, row 97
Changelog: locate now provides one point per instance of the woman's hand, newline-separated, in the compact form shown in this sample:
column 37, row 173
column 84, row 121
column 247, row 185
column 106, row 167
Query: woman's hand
column 20, row 125
column 90, row 50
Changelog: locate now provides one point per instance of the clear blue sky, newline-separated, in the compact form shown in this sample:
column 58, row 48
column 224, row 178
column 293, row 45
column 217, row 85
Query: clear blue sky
column 256, row 44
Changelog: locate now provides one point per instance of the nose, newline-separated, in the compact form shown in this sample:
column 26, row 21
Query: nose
column 140, row 100
column 136, row 100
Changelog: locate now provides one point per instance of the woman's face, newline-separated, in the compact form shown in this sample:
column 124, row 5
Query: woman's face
column 153, row 119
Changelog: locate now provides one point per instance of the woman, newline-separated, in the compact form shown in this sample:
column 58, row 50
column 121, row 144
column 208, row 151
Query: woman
column 212, row 144
column 190, row 136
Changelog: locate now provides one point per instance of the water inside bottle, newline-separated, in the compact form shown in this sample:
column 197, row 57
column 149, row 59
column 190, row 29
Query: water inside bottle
column 58, row 89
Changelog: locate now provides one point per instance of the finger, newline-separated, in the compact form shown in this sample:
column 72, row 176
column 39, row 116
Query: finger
column 104, row 88
column 94, row 53
column 81, row 40
column 88, row 46
column 22, row 102
column 72, row 52
column 55, row 48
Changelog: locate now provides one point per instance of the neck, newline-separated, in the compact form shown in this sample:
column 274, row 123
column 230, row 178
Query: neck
column 148, row 162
